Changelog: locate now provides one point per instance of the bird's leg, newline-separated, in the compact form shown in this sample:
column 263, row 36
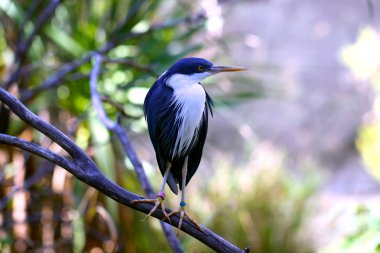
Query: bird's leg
column 159, row 201
column 181, row 210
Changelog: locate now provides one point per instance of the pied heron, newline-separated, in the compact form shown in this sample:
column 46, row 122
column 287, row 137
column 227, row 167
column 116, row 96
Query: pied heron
column 177, row 108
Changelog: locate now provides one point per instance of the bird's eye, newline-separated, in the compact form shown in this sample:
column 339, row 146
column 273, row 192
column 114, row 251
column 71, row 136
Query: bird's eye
column 200, row 68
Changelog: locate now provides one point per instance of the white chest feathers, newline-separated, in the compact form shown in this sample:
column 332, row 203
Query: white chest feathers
column 189, row 99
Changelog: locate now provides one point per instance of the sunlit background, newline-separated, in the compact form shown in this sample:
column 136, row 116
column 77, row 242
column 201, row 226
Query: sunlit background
column 291, row 163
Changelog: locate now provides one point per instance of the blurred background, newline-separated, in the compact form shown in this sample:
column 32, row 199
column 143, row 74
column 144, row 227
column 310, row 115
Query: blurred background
column 291, row 162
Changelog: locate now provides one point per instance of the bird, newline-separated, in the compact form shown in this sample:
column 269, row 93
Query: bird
column 177, row 108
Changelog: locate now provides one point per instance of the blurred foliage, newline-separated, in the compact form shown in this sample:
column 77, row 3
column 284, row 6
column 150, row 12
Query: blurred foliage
column 361, row 226
column 269, row 204
column 362, row 222
column 363, row 59
column 368, row 143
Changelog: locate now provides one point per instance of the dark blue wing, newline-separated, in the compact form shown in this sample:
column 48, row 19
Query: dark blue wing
column 161, row 126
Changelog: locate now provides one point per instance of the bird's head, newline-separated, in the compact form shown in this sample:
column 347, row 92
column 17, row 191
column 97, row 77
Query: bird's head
column 194, row 70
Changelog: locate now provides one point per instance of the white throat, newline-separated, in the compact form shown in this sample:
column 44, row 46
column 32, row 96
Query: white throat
column 190, row 99
column 178, row 81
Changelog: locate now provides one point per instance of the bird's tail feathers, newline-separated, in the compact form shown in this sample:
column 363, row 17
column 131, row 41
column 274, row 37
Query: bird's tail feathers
column 173, row 183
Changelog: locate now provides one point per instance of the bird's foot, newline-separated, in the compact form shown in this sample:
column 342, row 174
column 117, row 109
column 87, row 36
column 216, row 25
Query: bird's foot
column 159, row 201
column 184, row 214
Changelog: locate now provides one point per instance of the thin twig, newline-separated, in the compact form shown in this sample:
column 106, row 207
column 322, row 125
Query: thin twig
column 133, row 64
column 55, row 79
column 31, row 9
column 189, row 20
column 27, row 184
column 46, row 14
column 24, row 45
column 119, row 107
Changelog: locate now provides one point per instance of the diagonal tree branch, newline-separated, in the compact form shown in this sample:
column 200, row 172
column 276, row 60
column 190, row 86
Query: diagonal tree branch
column 128, row 149
column 83, row 168
column 37, row 150
column 33, row 120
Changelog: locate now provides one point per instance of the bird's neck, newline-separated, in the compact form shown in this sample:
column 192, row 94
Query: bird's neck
column 181, row 81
